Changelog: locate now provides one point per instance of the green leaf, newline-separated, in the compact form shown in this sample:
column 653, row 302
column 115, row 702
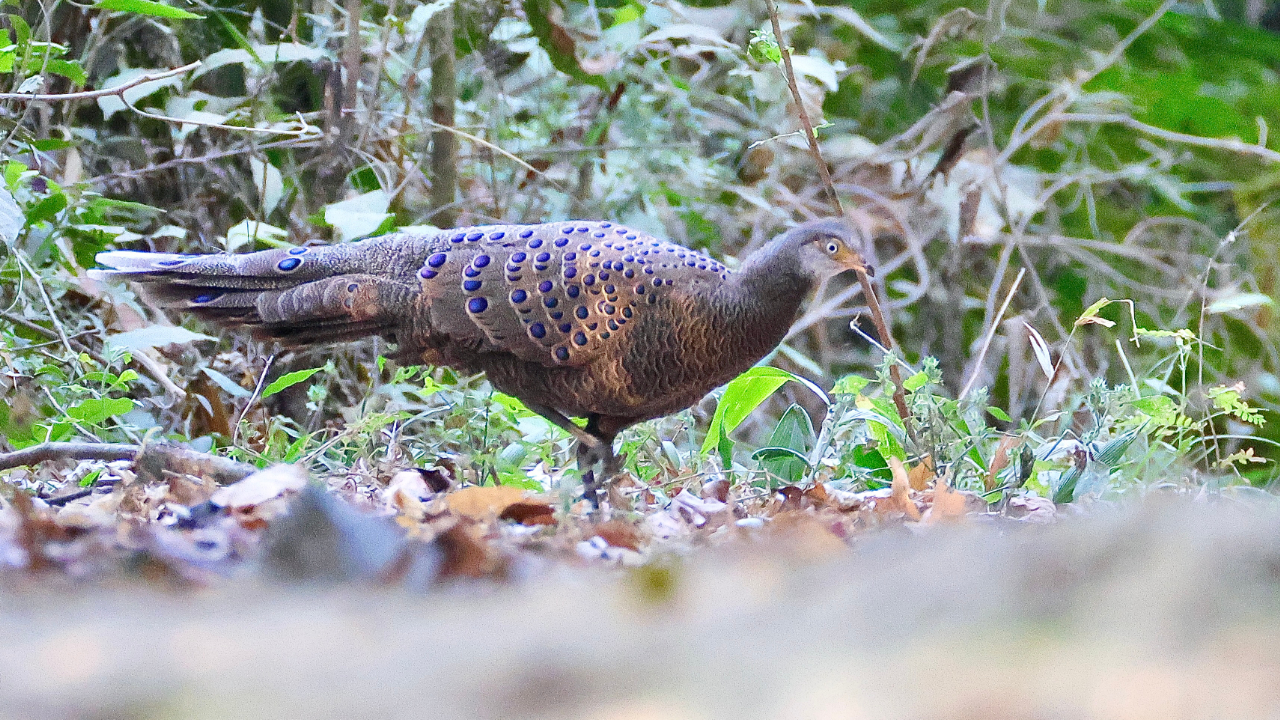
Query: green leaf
column 1066, row 490
column 288, row 380
column 553, row 40
column 850, row 385
column 915, row 382
column 999, row 414
column 47, row 209
column 791, row 439
column 741, row 396
column 95, row 410
column 147, row 7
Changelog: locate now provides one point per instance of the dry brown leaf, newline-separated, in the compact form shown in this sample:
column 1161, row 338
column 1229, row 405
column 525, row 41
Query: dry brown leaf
column 619, row 534
column 1001, row 460
column 718, row 489
column 529, row 513
column 948, row 504
column 480, row 502
column 900, row 500
column 921, row 474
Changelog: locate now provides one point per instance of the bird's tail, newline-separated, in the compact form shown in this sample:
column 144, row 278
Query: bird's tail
column 297, row 295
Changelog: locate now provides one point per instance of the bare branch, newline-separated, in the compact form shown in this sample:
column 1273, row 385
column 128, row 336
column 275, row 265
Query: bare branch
column 117, row 91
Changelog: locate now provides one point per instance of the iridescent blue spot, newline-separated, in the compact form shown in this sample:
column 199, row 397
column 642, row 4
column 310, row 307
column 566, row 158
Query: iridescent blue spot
column 474, row 236
column 518, row 257
column 691, row 263
column 668, row 281
column 480, row 261
column 513, row 278
column 701, row 266
column 580, row 338
column 610, row 289
column 649, row 271
column 570, row 271
column 639, row 289
column 352, row 287
column 566, row 230
column 539, row 267
column 589, row 280
column 471, row 285
column 609, row 309
column 562, row 353
column 170, row 263
column 621, row 231
column 629, row 273
column 584, row 247
column 629, row 258
column 458, row 238
column 565, row 327
column 428, row 273
column 477, row 305
column 631, row 237
column 613, row 325
column 583, row 229
column 582, row 312
column 538, row 330
column 599, row 234
column 298, row 251
column 519, row 296
column 545, row 286
column 626, row 312
column 207, row 297
column 595, row 253
column 535, row 243
column 604, row 335
column 497, row 236
column 570, row 256
column 572, row 291
column 604, row 276
column 437, row 260
column 526, row 234
column 606, row 225
column 557, row 315
column 550, row 302
column 561, row 242
column 653, row 299
column 593, row 326
column 542, row 257
column 288, row 264
column 471, row 272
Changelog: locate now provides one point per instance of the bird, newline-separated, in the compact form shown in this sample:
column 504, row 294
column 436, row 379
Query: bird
column 585, row 319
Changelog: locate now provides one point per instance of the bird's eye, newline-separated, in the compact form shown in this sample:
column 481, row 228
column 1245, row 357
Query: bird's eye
column 832, row 248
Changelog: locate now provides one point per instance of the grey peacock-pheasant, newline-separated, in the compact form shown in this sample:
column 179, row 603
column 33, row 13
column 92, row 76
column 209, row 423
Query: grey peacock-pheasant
column 576, row 319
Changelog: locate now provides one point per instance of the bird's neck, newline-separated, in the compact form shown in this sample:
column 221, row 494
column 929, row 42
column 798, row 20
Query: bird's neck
column 766, row 292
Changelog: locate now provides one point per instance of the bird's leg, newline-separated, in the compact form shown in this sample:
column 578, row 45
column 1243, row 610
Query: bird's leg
column 591, row 449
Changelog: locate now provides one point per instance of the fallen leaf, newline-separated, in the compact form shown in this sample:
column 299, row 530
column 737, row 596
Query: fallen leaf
column 529, row 513
column 260, row 487
column 718, row 489
column 481, row 502
column 947, row 504
column 921, row 474
column 900, row 500
column 619, row 534
column 1000, row 461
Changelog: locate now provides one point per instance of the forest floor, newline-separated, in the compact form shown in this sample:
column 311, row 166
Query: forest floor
column 283, row 599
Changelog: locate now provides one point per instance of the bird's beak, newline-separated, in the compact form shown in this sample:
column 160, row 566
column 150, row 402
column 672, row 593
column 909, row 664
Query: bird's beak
column 853, row 261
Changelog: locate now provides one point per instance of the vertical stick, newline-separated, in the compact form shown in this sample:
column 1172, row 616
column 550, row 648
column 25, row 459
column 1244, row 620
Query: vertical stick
column 444, row 95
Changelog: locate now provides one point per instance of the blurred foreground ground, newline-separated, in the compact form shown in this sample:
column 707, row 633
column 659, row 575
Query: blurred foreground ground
column 1170, row 610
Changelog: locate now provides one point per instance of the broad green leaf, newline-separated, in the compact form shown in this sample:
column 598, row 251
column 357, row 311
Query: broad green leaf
column 741, row 396
column 850, row 385
column 915, row 382
column 288, row 380
column 793, row 434
column 95, row 410
column 147, row 7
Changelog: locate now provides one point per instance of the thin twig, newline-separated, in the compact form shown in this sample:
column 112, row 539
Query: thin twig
column 899, row 394
column 117, row 91
column 804, row 116
column 257, row 390
column 67, row 450
column 991, row 333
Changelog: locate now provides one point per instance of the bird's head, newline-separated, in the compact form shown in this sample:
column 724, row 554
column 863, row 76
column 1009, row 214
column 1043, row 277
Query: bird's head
column 828, row 247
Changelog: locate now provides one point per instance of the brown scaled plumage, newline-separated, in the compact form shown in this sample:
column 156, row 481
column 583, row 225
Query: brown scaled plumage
column 576, row 319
